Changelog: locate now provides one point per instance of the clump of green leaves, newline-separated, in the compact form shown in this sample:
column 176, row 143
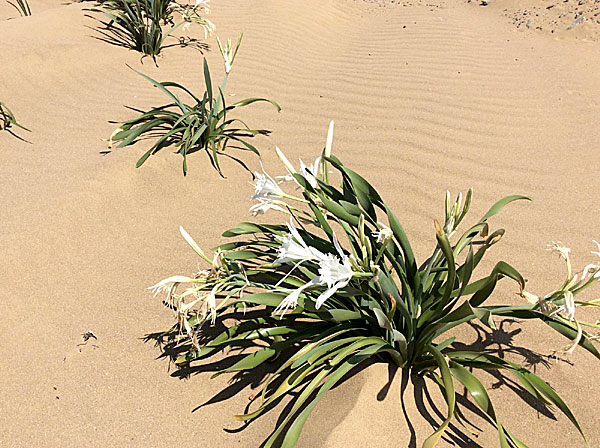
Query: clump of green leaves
column 206, row 124
column 8, row 120
column 139, row 24
column 339, row 284
column 22, row 6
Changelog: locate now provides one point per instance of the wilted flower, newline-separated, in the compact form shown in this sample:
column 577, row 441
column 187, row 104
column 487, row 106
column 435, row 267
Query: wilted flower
column 569, row 306
column 169, row 284
column 110, row 139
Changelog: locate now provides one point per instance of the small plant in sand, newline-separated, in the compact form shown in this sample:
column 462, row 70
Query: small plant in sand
column 206, row 125
column 8, row 120
column 138, row 24
column 22, row 6
column 336, row 283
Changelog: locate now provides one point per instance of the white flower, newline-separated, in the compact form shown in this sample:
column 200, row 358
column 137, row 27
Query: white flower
column 310, row 172
column 266, row 187
column 558, row 248
column 265, row 205
column 228, row 53
column 335, row 274
column 590, row 270
column 293, row 248
column 597, row 244
column 211, row 300
column 334, row 271
column 569, row 307
column 291, row 300
column 384, row 234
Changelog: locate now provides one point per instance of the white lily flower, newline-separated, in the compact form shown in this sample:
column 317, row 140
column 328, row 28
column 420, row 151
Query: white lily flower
column 228, row 53
column 291, row 300
column 211, row 300
column 591, row 270
column 265, row 205
column 597, row 244
column 335, row 274
column 558, row 248
column 383, row 234
column 293, row 248
column 266, row 187
column 310, row 172
column 334, row 271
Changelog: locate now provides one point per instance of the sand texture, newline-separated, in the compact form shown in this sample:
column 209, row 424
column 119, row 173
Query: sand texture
column 426, row 96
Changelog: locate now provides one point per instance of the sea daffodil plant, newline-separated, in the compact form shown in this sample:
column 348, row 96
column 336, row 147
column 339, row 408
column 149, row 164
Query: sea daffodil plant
column 335, row 283
column 8, row 121
column 205, row 124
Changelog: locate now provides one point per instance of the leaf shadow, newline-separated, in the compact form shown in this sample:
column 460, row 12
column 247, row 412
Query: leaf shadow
column 109, row 33
column 500, row 342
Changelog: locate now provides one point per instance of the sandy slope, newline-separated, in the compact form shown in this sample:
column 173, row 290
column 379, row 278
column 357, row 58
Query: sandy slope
column 424, row 97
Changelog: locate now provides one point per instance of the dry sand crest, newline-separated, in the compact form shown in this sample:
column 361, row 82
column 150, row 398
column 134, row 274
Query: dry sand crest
column 425, row 97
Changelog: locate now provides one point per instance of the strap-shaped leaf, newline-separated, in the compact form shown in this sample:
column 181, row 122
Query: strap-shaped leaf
column 450, row 397
column 494, row 209
column 293, row 433
column 400, row 235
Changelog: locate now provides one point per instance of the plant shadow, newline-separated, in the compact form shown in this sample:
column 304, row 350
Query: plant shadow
column 499, row 341
column 113, row 35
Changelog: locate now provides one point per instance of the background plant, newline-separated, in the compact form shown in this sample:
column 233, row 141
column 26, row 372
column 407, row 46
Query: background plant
column 22, row 6
column 8, row 120
column 138, row 24
column 206, row 124
column 321, row 310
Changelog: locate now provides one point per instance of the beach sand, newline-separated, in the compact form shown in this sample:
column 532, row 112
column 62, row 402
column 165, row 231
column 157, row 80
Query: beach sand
column 426, row 96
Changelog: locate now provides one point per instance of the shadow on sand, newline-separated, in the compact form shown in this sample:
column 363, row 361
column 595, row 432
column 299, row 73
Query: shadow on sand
column 498, row 342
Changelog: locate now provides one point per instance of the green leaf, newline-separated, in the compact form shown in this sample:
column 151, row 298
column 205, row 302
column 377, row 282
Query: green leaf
column 243, row 255
column 250, row 361
column 501, row 203
column 293, row 433
column 400, row 235
column 549, row 393
column 263, row 298
column 484, row 315
column 448, row 383
column 475, row 388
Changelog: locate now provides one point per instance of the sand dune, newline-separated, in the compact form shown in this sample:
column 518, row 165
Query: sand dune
column 425, row 98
